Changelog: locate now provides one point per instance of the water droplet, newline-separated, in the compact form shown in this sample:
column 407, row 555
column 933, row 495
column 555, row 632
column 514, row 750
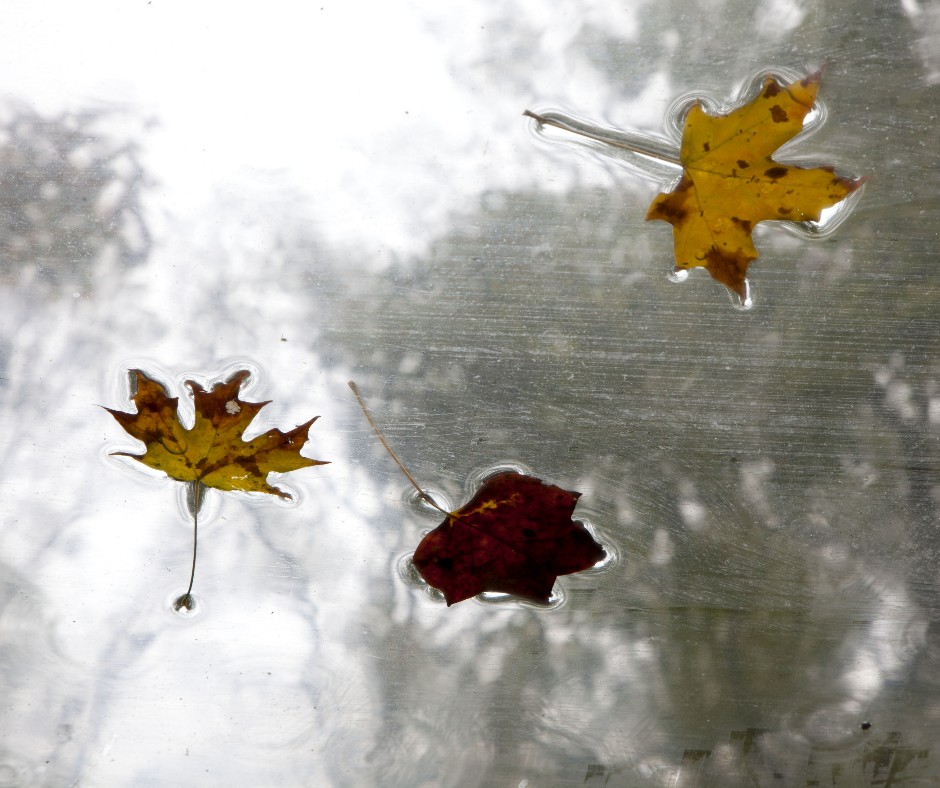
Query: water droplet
column 831, row 727
column 678, row 275
column 745, row 304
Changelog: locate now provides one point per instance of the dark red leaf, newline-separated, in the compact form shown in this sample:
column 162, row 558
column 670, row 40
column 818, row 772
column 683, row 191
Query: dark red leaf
column 515, row 536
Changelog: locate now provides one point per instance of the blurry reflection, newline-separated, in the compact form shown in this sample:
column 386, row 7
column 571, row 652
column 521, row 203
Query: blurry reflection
column 71, row 197
column 768, row 480
column 753, row 595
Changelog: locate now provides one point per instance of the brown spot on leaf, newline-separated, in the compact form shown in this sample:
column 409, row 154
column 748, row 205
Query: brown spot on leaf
column 744, row 224
column 771, row 88
column 729, row 268
column 220, row 420
column 716, row 191
column 671, row 208
column 671, row 213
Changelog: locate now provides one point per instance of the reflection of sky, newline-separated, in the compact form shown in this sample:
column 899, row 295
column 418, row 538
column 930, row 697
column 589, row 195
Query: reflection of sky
column 318, row 93
column 313, row 661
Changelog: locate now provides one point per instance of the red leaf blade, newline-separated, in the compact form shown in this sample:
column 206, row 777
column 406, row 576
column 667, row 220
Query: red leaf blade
column 514, row 536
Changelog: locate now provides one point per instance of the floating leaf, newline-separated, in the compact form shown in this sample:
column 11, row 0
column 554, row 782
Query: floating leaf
column 212, row 452
column 730, row 182
column 515, row 536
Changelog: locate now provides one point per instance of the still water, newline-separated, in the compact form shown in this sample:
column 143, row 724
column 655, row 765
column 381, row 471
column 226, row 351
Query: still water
column 362, row 198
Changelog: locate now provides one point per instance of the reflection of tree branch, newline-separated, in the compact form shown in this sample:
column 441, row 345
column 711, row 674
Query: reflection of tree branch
column 72, row 194
column 70, row 199
column 539, row 283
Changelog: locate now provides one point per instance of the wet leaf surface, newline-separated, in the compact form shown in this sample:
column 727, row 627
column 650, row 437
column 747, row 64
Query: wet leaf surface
column 730, row 182
column 212, row 451
column 514, row 536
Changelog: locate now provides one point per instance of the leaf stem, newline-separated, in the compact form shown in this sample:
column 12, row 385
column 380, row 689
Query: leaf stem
column 197, row 490
column 192, row 572
column 398, row 462
column 608, row 139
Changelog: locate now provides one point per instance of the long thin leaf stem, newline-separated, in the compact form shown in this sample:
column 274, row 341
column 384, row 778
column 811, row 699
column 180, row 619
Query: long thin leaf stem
column 196, row 490
column 192, row 573
column 607, row 140
column 398, row 462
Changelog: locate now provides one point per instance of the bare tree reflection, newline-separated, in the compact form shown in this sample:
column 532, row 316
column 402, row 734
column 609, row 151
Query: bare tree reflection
column 758, row 499
column 71, row 195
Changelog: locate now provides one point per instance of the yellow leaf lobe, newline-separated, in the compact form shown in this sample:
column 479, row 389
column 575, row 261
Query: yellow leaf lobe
column 730, row 181
column 212, row 451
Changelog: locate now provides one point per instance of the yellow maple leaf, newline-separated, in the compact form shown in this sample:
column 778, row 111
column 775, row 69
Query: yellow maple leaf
column 730, row 182
column 212, row 451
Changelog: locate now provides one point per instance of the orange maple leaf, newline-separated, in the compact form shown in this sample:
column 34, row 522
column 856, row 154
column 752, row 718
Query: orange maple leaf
column 730, row 182
column 212, row 451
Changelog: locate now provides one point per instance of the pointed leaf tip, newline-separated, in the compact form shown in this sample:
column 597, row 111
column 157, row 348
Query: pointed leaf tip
column 213, row 451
